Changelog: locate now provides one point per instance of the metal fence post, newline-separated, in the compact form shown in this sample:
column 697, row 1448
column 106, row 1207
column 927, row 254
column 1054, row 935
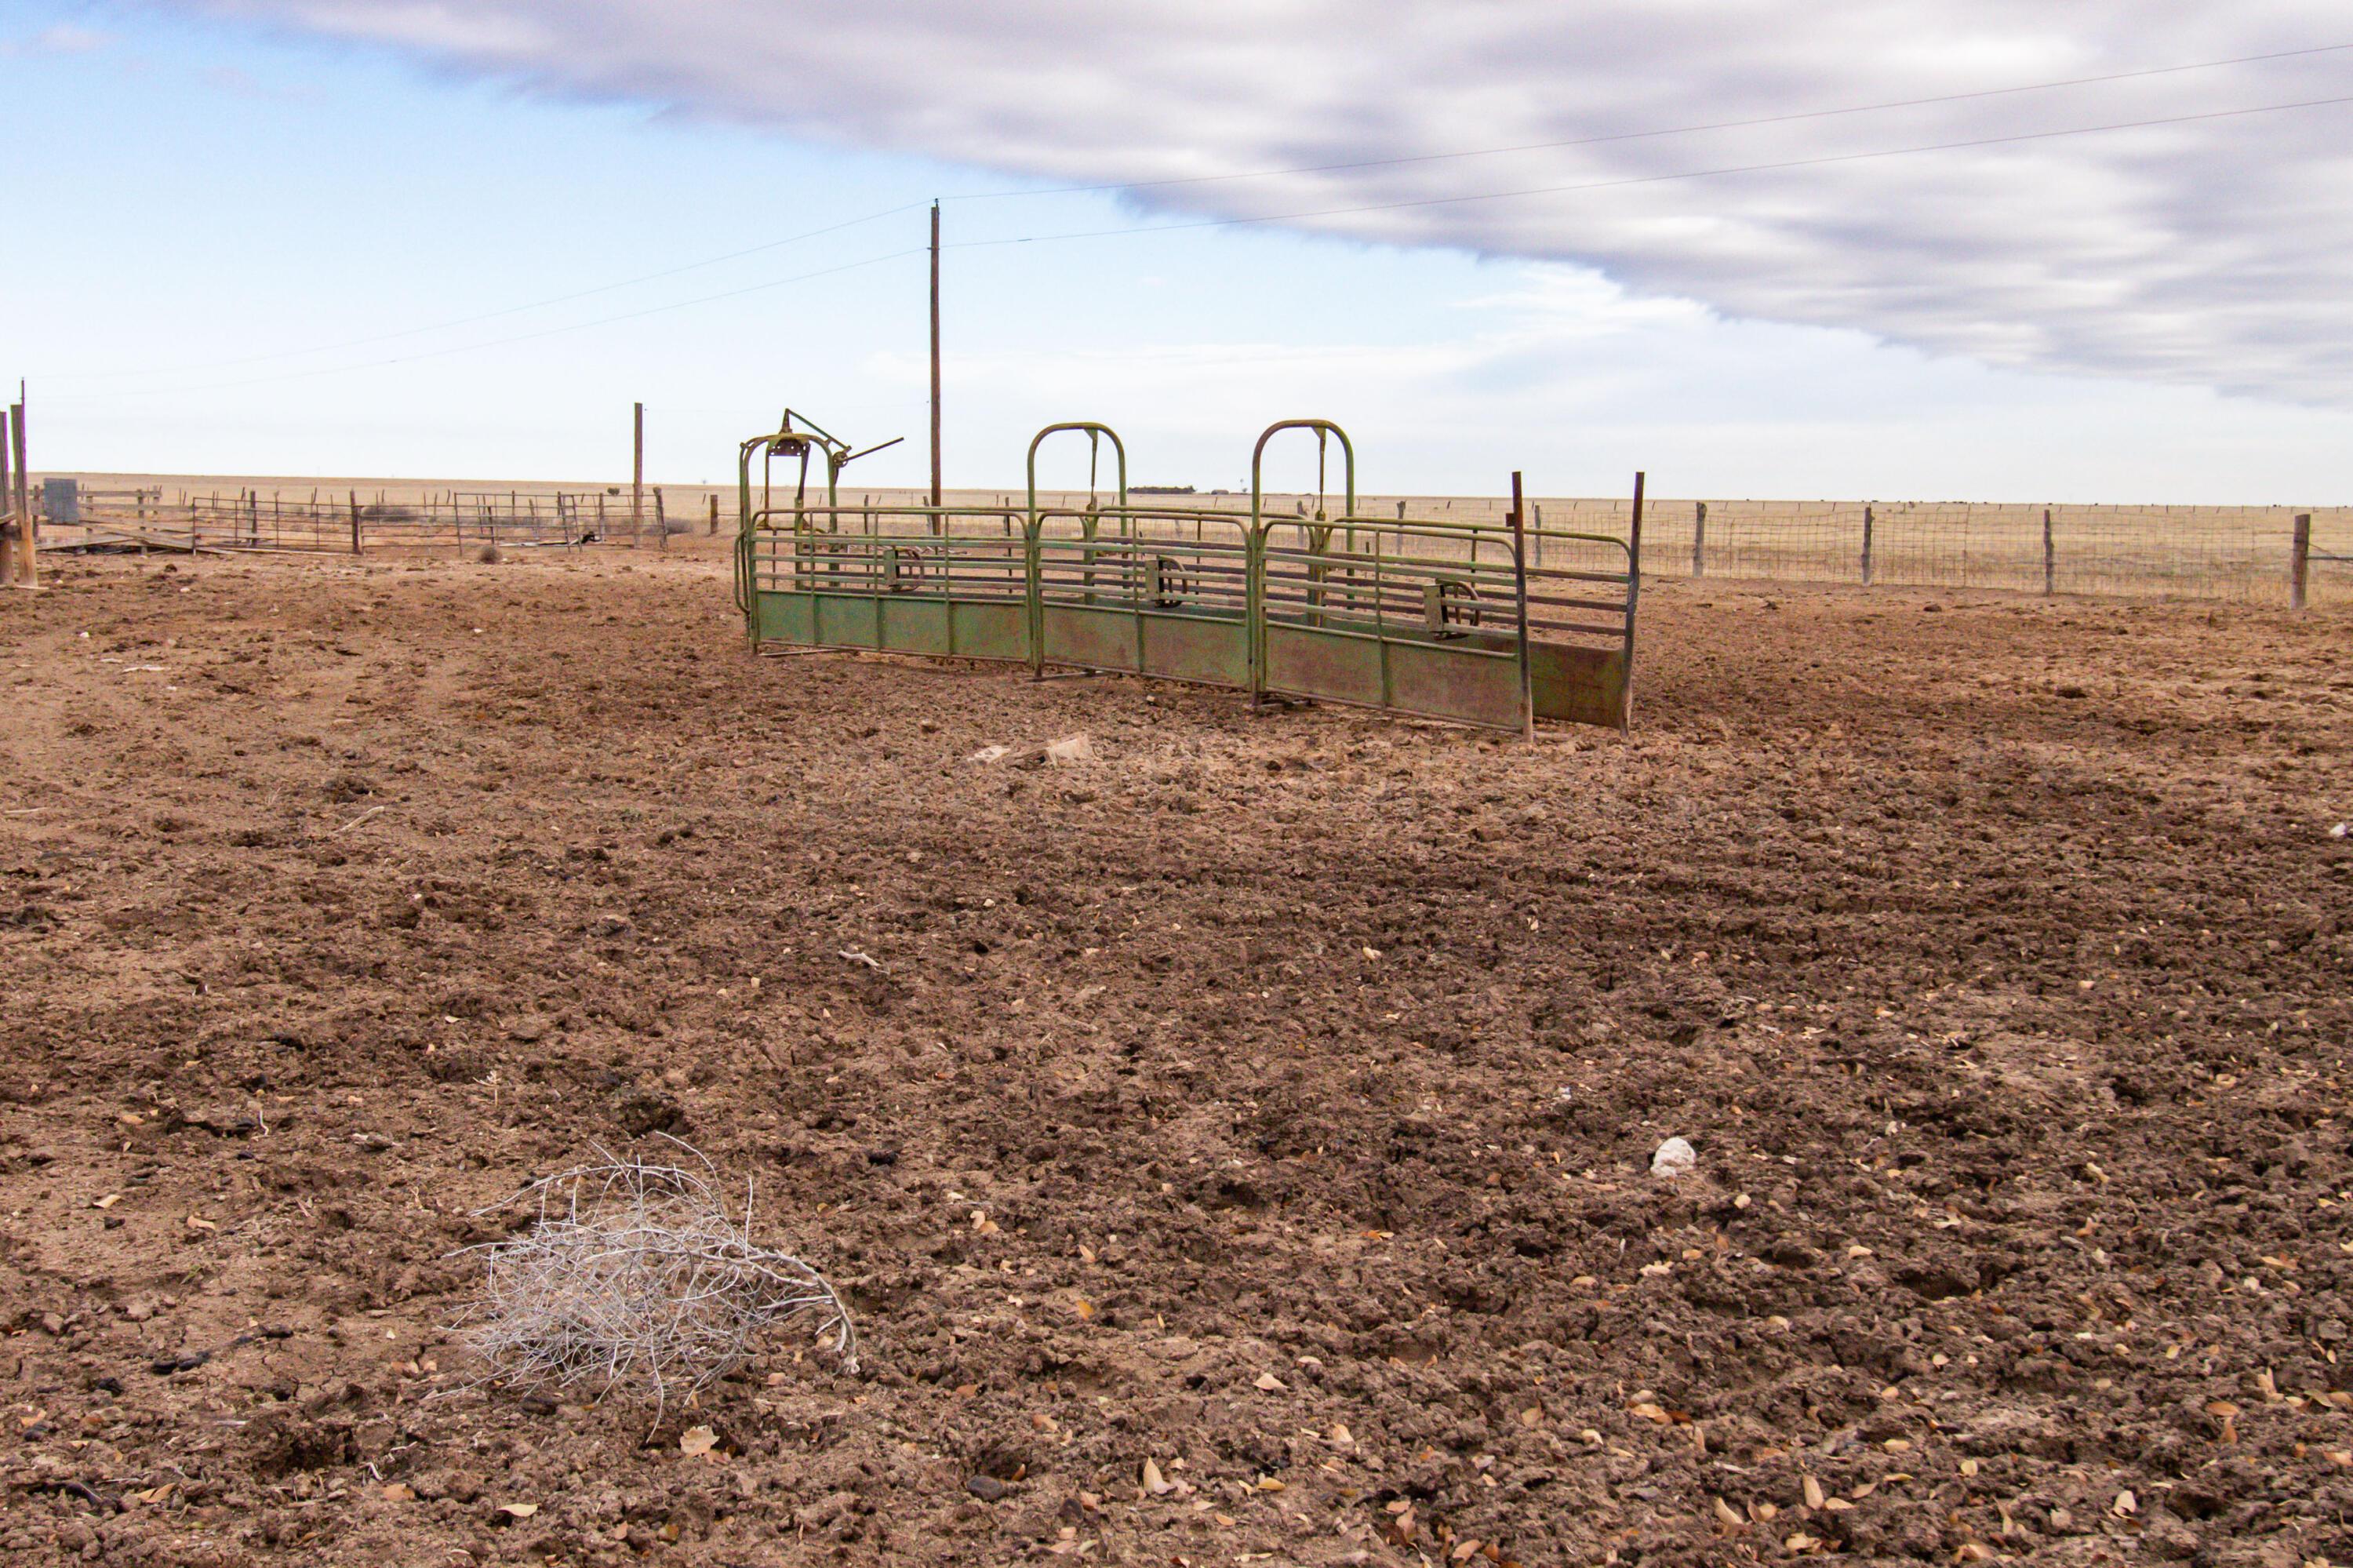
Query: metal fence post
column 2299, row 560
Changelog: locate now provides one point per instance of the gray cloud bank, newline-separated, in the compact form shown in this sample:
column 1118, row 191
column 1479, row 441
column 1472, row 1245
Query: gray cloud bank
column 2212, row 253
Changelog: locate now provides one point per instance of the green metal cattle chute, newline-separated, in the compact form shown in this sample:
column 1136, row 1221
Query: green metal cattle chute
column 1467, row 623
column 1146, row 590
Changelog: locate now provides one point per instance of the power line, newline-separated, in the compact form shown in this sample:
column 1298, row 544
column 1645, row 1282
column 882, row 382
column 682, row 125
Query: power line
column 520, row 337
column 513, row 310
column 1668, row 130
column 1660, row 179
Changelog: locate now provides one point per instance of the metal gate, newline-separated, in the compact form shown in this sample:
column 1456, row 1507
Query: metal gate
column 1467, row 623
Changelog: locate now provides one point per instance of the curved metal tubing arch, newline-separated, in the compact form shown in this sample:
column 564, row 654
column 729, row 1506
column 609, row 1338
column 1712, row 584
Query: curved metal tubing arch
column 1118, row 447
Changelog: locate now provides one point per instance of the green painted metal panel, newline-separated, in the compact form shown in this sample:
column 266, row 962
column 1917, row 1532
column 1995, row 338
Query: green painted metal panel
column 847, row 620
column 1211, row 649
column 1448, row 681
column 785, row 618
column 989, row 630
column 1582, row 685
column 914, row 626
column 1092, row 637
column 1303, row 662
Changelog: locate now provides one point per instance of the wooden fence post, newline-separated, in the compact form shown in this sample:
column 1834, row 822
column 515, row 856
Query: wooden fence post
column 1699, row 539
column 637, row 477
column 2299, row 560
column 1867, row 521
column 2049, row 558
column 661, row 520
column 715, row 514
column 7, row 504
column 355, row 521
column 28, row 528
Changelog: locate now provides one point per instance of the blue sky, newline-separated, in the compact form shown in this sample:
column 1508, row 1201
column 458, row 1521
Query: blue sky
column 224, row 206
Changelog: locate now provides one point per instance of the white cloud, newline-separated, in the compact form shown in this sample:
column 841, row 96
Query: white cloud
column 62, row 39
column 2212, row 254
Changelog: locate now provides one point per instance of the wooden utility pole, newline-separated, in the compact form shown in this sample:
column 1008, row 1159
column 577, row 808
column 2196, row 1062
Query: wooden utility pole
column 936, row 354
column 637, row 477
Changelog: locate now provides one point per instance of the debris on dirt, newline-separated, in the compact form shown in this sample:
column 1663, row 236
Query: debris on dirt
column 2340, row 830
column 990, row 753
column 852, row 955
column 1070, row 748
column 1674, row 1157
column 635, row 1278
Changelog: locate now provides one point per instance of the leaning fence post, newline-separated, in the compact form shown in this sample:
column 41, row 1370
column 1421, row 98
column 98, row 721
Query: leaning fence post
column 661, row 520
column 2049, row 558
column 2299, row 560
column 1867, row 520
column 1699, row 539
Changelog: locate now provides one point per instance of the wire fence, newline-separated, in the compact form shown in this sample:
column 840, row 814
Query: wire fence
column 2247, row 553
column 316, row 522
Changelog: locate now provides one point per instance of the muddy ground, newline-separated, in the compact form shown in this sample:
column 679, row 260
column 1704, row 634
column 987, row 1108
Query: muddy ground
column 1270, row 1097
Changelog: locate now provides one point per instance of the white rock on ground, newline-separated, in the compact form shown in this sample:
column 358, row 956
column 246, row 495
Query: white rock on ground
column 1674, row 1157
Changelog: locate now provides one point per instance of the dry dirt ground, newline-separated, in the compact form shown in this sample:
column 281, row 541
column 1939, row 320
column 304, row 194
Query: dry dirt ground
column 1270, row 1097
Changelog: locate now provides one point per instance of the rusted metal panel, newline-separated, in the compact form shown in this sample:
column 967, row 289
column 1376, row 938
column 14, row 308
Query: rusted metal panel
column 1091, row 637
column 1465, row 685
column 989, row 630
column 1213, row 649
column 1579, row 685
column 1305, row 662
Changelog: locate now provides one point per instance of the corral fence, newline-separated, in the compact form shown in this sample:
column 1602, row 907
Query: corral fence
column 315, row 523
column 2254, row 554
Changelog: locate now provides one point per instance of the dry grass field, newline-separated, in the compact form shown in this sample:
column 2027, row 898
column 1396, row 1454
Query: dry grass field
column 1269, row 1099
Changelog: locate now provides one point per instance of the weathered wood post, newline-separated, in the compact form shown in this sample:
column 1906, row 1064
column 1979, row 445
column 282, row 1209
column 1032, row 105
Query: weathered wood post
column 28, row 526
column 7, row 502
column 355, row 521
column 1699, row 539
column 2049, row 558
column 637, row 478
column 1867, row 521
column 661, row 520
column 2299, row 559
column 1520, row 594
column 714, row 513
